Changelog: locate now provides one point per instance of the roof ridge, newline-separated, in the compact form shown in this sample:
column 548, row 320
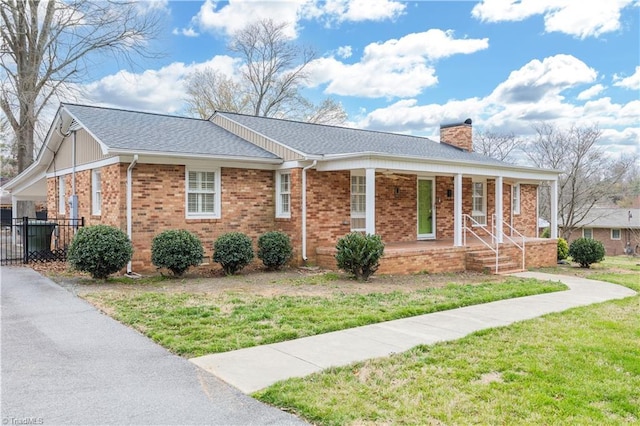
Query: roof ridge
column 132, row 111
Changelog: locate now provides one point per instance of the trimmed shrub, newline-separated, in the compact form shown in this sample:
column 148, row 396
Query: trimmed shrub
column 546, row 233
column 563, row 249
column 586, row 251
column 99, row 250
column 176, row 250
column 359, row 255
column 274, row 249
column 233, row 251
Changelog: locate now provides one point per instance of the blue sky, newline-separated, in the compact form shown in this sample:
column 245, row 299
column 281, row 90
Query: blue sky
column 409, row 66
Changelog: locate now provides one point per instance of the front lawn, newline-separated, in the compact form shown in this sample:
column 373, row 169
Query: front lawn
column 577, row 367
column 581, row 366
column 193, row 324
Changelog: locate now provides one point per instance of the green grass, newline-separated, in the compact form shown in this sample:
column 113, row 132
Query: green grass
column 198, row 324
column 581, row 366
column 578, row 367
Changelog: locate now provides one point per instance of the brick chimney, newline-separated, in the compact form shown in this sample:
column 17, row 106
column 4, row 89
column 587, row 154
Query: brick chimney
column 459, row 135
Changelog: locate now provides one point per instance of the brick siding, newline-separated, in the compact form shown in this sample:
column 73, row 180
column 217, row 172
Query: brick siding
column 248, row 205
column 612, row 247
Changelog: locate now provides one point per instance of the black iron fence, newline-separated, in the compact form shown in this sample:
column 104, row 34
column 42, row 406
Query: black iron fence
column 25, row 240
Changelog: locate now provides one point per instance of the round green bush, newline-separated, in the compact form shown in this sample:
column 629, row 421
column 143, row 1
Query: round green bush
column 359, row 255
column 233, row 251
column 176, row 250
column 274, row 249
column 586, row 251
column 563, row 249
column 99, row 250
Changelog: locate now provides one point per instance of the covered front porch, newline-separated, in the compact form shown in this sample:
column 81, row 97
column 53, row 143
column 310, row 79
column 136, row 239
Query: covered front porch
column 436, row 217
column 442, row 256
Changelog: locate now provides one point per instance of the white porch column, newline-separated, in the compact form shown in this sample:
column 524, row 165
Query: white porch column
column 370, row 179
column 499, row 210
column 457, row 210
column 554, row 209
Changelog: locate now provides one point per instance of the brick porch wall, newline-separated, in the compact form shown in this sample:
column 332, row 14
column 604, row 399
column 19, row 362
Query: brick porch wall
column 540, row 252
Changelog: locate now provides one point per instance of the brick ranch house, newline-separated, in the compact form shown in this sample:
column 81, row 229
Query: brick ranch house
column 439, row 207
column 617, row 228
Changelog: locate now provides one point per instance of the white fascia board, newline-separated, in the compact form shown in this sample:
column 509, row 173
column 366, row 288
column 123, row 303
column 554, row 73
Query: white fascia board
column 188, row 162
column 103, row 146
column 87, row 166
column 160, row 157
column 443, row 167
column 296, row 164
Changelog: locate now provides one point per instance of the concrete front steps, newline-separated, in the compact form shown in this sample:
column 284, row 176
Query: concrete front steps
column 484, row 260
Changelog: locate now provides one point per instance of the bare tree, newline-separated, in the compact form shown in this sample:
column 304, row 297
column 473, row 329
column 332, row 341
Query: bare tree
column 327, row 112
column 272, row 72
column 501, row 146
column 588, row 174
column 8, row 167
column 49, row 45
column 209, row 91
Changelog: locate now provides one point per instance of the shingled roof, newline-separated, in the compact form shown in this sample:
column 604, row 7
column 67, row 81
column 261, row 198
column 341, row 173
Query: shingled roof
column 610, row 217
column 122, row 130
column 315, row 139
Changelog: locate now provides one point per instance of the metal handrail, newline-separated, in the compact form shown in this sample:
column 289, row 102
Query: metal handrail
column 493, row 238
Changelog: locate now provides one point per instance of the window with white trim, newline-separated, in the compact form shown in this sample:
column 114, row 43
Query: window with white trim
column 203, row 194
column 615, row 234
column 62, row 203
column 283, row 194
column 479, row 202
column 587, row 233
column 358, row 202
column 96, row 192
column 515, row 199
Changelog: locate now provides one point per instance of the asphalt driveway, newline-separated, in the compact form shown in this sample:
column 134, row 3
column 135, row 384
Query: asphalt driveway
column 63, row 362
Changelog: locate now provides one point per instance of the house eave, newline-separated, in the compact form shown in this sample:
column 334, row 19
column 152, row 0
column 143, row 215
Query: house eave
column 544, row 173
column 187, row 156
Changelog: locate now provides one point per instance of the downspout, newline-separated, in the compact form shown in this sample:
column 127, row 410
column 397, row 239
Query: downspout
column 304, row 209
column 129, row 201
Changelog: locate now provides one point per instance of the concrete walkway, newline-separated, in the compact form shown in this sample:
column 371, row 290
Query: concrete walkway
column 255, row 368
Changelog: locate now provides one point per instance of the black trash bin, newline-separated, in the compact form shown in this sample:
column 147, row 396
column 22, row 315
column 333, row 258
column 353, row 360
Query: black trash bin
column 39, row 236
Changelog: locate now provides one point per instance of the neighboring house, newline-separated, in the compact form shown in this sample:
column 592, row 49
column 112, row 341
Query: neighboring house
column 146, row 173
column 617, row 228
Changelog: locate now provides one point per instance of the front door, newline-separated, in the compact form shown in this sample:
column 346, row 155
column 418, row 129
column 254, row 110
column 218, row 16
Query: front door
column 426, row 211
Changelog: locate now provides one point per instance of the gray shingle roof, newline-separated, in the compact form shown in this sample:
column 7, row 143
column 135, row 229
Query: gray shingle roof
column 315, row 139
column 141, row 131
column 601, row 217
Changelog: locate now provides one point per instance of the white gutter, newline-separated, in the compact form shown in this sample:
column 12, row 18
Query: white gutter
column 304, row 209
column 129, row 201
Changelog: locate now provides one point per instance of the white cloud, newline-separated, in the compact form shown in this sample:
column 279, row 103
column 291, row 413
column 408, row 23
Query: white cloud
column 581, row 19
column 590, row 92
column 512, row 107
column 361, row 10
column 235, row 15
column 152, row 90
column 187, row 32
column 632, row 82
column 230, row 17
column 395, row 68
column 407, row 116
column 344, row 52
column 539, row 79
